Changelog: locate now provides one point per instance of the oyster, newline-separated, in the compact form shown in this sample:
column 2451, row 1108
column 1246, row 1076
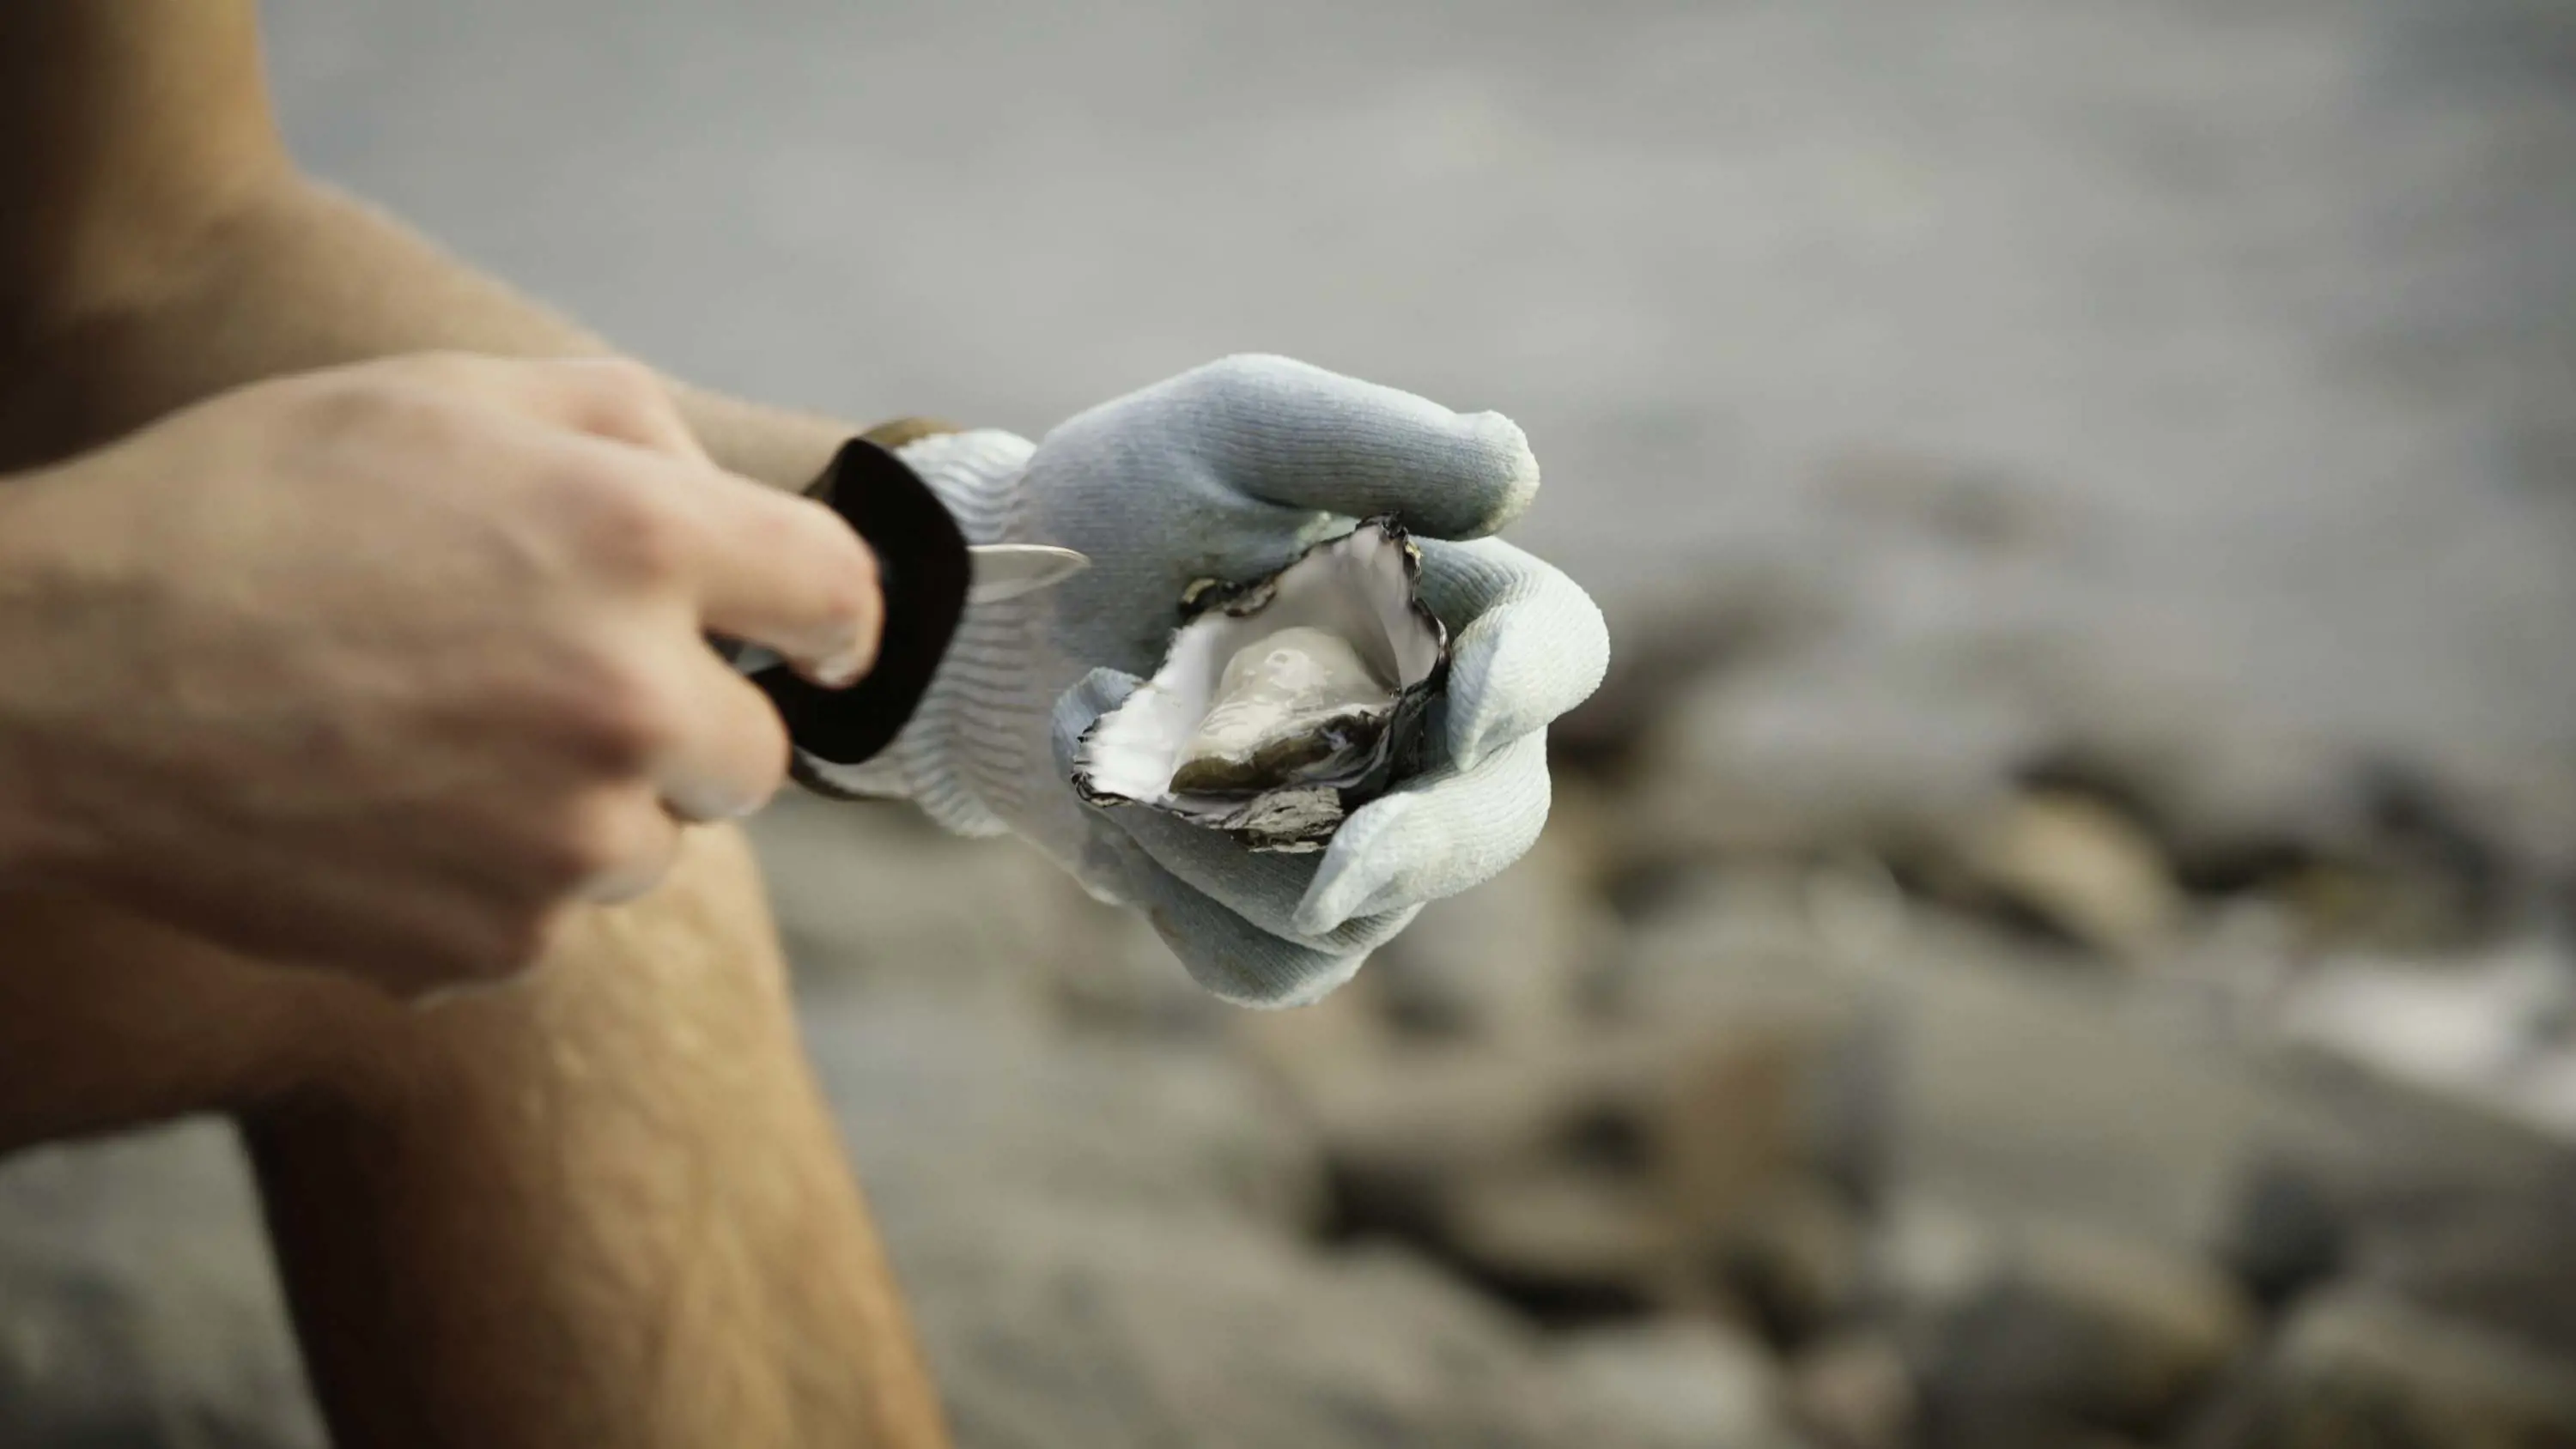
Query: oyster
column 1282, row 704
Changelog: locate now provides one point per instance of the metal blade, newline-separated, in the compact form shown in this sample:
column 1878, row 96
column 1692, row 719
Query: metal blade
column 1008, row 570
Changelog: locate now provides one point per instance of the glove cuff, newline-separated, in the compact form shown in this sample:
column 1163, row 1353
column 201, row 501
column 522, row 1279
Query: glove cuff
column 961, row 756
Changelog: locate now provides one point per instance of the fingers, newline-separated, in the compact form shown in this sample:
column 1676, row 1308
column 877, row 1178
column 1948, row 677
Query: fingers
column 1434, row 836
column 730, row 755
column 786, row 572
column 754, row 564
column 762, row 566
column 1531, row 646
column 638, row 840
column 1222, row 951
column 1262, row 890
column 766, row 567
column 1296, row 435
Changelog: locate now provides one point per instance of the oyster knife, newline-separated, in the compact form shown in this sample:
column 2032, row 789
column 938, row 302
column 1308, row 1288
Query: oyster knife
column 927, row 574
column 998, row 571
column 1007, row 570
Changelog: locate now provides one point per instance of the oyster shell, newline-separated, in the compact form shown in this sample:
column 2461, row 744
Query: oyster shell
column 1282, row 704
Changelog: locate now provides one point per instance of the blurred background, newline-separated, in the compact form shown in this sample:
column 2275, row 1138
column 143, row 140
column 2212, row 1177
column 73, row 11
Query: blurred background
column 2057, row 934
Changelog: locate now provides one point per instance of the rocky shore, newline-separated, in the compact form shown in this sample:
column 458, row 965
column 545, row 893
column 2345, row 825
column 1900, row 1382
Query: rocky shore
column 1773, row 1101
column 2061, row 932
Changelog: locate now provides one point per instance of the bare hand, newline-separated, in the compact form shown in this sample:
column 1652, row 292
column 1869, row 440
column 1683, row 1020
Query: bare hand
column 384, row 668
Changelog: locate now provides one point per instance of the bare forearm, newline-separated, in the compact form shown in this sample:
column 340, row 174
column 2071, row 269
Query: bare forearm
column 297, row 276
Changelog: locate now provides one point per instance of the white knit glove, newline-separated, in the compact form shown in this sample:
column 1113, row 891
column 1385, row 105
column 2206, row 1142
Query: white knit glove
column 1229, row 471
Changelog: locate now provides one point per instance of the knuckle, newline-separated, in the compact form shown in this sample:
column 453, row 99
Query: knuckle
column 512, row 941
column 622, row 378
column 625, row 399
column 367, row 408
column 626, row 531
column 587, row 839
column 429, row 384
column 597, row 840
column 357, row 400
column 619, row 715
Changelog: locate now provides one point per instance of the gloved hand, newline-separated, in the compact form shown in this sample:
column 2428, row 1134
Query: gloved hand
column 1229, row 471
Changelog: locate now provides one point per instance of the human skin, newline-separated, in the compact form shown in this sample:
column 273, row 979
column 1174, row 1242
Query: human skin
column 383, row 668
column 603, row 1203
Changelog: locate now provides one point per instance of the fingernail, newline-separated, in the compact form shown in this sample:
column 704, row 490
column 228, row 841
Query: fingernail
column 703, row 803
column 842, row 670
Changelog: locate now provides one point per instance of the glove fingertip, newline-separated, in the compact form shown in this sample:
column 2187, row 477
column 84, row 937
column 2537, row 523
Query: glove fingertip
column 1238, row 962
column 1435, row 837
column 1516, row 476
column 1516, row 670
column 1262, row 986
column 1330, row 903
column 1353, row 872
column 1228, row 956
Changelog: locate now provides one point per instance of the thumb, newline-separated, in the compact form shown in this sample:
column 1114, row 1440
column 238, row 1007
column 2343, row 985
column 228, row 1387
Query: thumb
column 1299, row 436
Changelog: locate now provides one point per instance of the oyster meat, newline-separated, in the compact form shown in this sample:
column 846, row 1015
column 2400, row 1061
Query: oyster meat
column 1284, row 703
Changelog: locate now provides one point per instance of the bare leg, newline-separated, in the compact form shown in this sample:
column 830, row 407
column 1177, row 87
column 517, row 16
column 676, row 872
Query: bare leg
column 604, row 1206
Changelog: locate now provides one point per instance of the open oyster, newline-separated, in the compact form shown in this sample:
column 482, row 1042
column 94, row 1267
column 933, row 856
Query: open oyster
column 1282, row 704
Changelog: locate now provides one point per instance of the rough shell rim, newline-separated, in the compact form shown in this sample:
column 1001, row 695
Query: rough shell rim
column 1297, row 819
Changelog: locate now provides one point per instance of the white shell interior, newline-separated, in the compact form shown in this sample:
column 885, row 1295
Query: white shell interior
column 1355, row 588
column 1284, row 683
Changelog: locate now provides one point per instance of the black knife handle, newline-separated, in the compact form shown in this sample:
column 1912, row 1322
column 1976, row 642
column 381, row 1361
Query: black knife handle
column 923, row 571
